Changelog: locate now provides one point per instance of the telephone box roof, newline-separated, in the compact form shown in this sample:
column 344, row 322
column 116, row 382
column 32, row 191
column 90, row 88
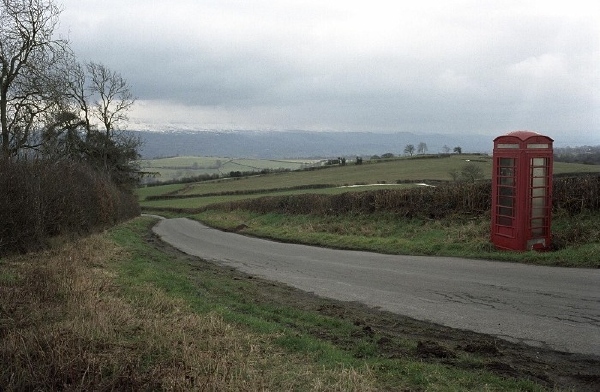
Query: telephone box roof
column 524, row 135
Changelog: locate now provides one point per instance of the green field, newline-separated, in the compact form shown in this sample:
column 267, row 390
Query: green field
column 390, row 172
column 169, row 169
column 198, row 200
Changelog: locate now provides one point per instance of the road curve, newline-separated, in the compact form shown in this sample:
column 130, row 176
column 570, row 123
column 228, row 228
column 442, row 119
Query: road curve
column 551, row 307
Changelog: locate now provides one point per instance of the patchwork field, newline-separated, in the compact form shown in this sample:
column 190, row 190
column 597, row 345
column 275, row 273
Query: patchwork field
column 329, row 180
column 175, row 168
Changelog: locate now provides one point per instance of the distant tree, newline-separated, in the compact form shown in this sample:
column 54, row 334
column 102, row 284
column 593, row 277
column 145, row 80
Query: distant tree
column 359, row 160
column 422, row 148
column 409, row 149
column 375, row 157
column 589, row 155
column 457, row 150
column 445, row 149
column 387, row 155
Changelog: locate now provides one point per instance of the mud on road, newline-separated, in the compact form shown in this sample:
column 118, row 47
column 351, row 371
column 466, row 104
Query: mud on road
column 433, row 343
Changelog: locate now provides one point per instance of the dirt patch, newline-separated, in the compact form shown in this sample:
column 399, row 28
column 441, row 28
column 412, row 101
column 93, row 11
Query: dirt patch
column 427, row 342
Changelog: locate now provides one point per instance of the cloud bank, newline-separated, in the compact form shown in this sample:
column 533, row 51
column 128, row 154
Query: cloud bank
column 429, row 66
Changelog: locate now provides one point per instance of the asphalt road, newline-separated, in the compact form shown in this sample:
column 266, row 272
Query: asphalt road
column 557, row 308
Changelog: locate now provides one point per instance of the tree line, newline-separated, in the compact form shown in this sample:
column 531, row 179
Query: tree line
column 59, row 117
column 420, row 149
column 589, row 155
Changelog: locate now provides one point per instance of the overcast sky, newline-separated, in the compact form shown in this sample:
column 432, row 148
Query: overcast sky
column 478, row 66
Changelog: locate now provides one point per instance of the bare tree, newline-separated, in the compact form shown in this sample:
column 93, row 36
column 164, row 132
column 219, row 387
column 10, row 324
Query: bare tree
column 409, row 149
column 28, row 85
column 113, row 97
column 422, row 148
column 52, row 104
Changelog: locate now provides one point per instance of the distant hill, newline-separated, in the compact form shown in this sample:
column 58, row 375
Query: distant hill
column 298, row 144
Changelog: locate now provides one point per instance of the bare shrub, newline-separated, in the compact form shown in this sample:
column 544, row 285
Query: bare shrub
column 577, row 194
column 41, row 199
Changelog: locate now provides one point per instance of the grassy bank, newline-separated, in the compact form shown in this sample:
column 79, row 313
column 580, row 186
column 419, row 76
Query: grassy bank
column 106, row 315
column 111, row 312
column 576, row 239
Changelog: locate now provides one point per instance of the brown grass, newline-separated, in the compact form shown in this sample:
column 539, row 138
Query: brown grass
column 65, row 324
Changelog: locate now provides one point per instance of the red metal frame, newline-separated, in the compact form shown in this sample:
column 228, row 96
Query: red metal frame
column 522, row 191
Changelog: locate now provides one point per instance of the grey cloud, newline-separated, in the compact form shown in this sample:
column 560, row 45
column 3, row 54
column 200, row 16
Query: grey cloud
column 290, row 65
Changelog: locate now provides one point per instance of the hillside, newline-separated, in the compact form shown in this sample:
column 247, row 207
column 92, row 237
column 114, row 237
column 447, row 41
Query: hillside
column 422, row 167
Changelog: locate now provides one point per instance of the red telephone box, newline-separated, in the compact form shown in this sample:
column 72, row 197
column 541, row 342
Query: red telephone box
column 522, row 191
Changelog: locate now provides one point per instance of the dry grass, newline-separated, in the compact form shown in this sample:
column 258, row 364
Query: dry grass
column 65, row 324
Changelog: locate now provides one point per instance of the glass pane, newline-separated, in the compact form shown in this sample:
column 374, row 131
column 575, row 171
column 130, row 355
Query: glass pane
column 538, row 171
column 538, row 162
column 538, row 212
column 538, row 181
column 507, row 145
column 537, row 231
column 506, row 211
column 507, row 181
column 506, row 201
column 507, row 162
column 538, row 227
column 504, row 221
column 539, row 145
column 537, row 222
column 538, row 202
column 538, row 192
column 506, row 191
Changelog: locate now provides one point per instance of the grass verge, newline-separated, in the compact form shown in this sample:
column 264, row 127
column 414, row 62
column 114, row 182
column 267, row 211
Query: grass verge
column 97, row 315
column 576, row 238
column 110, row 312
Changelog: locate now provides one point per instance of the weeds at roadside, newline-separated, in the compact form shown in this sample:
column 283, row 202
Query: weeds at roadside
column 68, row 324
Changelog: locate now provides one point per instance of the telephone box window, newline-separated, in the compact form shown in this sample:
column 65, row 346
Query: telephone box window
column 539, row 194
column 506, row 191
column 538, row 145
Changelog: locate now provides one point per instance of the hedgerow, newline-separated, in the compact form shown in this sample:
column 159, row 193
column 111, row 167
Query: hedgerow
column 572, row 195
column 40, row 199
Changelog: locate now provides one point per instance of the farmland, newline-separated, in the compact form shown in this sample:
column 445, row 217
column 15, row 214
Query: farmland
column 333, row 179
column 175, row 168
